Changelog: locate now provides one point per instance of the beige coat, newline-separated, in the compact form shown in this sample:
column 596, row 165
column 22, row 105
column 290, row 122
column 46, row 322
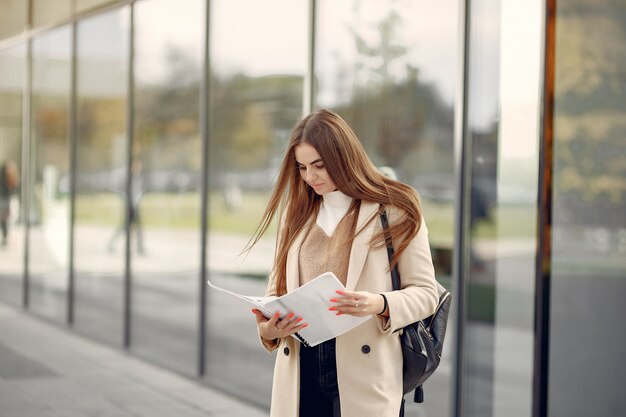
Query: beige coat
column 370, row 384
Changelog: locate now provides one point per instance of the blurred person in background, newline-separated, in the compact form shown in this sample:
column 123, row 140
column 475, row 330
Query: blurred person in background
column 137, row 189
column 9, row 180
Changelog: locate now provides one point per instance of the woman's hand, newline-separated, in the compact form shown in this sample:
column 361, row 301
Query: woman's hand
column 358, row 303
column 276, row 327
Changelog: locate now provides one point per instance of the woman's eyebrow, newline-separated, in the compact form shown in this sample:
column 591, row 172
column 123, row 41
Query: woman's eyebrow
column 314, row 162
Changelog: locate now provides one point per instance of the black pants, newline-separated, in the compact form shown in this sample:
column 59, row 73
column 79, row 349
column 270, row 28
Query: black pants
column 319, row 392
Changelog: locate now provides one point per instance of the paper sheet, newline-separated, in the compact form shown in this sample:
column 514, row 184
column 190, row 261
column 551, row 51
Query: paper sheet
column 311, row 302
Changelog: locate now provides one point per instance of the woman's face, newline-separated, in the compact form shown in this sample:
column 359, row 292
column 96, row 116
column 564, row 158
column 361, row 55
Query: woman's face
column 312, row 169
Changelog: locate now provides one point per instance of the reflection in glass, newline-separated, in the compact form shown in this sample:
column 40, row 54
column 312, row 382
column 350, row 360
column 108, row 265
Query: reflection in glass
column 48, row 198
column 503, row 128
column 46, row 12
column 256, row 96
column 12, row 70
column 390, row 69
column 165, row 178
column 589, row 210
column 101, row 175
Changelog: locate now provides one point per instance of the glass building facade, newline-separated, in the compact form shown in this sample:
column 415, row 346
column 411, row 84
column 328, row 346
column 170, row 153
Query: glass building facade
column 147, row 135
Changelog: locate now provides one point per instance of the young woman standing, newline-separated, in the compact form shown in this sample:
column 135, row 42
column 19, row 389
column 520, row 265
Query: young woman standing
column 329, row 197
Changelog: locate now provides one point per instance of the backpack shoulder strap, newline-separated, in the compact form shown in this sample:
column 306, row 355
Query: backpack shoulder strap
column 395, row 275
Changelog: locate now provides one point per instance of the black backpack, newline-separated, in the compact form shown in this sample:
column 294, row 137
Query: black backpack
column 422, row 341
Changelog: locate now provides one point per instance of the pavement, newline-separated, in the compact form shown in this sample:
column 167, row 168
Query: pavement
column 50, row 371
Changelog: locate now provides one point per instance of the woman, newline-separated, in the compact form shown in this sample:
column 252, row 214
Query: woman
column 330, row 196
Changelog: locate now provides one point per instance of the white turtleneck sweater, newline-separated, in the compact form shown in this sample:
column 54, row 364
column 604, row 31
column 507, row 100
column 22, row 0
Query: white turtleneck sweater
column 334, row 206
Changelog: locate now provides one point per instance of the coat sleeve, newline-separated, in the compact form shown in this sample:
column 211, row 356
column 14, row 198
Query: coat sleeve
column 270, row 291
column 270, row 345
column 418, row 296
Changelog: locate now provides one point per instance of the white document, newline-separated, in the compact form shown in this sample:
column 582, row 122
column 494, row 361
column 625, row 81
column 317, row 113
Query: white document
column 311, row 302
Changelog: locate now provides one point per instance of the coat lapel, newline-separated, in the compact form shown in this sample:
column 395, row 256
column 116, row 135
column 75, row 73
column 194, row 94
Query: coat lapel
column 360, row 245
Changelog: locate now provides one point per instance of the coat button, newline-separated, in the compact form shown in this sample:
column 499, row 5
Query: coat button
column 365, row 349
column 286, row 351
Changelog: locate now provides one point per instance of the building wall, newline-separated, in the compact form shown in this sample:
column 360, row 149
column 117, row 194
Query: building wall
column 148, row 134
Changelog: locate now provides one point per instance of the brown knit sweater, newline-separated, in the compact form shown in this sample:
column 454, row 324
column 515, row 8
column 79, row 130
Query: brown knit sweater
column 321, row 253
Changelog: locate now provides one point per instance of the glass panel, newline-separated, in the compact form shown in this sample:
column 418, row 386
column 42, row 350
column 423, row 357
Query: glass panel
column 259, row 60
column 14, row 17
column 503, row 116
column 48, row 190
column 102, row 82
column 12, row 70
column 165, row 225
column 47, row 12
column 589, row 211
column 82, row 5
column 389, row 68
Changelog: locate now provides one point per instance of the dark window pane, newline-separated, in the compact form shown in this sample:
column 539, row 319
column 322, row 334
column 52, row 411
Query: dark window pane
column 12, row 70
column 100, row 179
column 503, row 141
column 589, row 211
column 166, row 167
column 259, row 60
column 389, row 68
column 49, row 159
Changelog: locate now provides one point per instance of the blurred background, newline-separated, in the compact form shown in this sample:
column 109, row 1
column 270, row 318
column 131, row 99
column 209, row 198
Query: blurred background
column 139, row 141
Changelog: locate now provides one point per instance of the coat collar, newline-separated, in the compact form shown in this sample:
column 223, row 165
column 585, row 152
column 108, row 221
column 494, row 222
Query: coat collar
column 361, row 243
column 358, row 252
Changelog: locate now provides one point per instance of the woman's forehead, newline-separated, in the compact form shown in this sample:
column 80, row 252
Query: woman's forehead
column 306, row 154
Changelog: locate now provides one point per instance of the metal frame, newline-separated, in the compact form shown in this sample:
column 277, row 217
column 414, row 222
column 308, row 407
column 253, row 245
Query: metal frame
column 26, row 145
column 130, row 124
column 462, row 156
column 543, row 271
column 308, row 96
column 204, row 197
column 73, row 145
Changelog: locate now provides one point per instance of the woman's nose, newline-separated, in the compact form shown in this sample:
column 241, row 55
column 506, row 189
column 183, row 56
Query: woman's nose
column 310, row 175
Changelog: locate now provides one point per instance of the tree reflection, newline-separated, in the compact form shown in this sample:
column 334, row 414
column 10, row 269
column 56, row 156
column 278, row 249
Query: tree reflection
column 392, row 109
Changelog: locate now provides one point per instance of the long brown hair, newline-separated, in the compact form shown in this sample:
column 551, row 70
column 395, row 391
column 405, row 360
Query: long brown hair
column 354, row 175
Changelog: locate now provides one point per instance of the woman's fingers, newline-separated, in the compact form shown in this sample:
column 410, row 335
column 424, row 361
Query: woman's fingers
column 356, row 303
column 293, row 326
column 272, row 321
column 281, row 324
column 260, row 318
column 275, row 327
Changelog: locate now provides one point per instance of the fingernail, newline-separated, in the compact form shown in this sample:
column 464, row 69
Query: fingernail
column 331, row 308
column 290, row 315
column 253, row 312
column 340, row 292
column 304, row 325
column 299, row 319
column 333, row 300
column 339, row 313
column 277, row 315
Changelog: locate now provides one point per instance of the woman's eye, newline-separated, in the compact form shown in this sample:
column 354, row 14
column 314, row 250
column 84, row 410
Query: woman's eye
column 301, row 168
column 319, row 166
